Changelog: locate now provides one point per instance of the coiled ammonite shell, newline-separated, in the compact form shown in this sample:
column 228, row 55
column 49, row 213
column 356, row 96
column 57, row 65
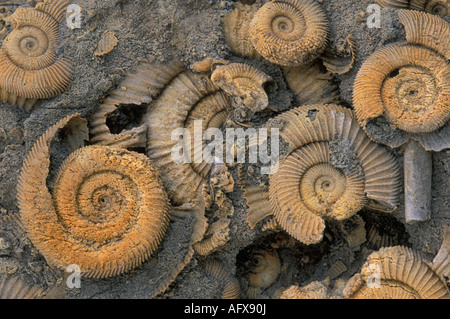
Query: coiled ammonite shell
column 396, row 273
column 333, row 169
column 439, row 7
column 108, row 212
column 264, row 268
column 245, row 81
column 408, row 84
column 29, row 67
column 290, row 32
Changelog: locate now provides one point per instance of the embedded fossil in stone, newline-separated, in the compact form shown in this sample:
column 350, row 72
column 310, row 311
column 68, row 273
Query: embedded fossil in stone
column 290, row 32
column 314, row 290
column 231, row 286
column 404, row 89
column 29, row 67
column 245, row 81
column 263, row 268
column 337, row 64
column 108, row 212
column 331, row 171
column 16, row 288
column 107, row 43
column 438, row 7
column 236, row 29
column 401, row 273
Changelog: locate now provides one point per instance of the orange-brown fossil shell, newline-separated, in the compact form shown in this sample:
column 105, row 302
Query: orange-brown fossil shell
column 290, row 32
column 108, row 212
column 29, row 66
column 236, row 29
column 439, row 7
column 312, row 85
column 191, row 98
column 333, row 169
column 396, row 273
column 107, row 43
column 15, row 288
column 138, row 88
column 231, row 288
column 245, row 81
column 407, row 84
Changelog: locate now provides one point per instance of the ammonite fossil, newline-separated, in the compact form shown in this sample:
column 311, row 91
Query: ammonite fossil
column 331, row 172
column 29, row 66
column 16, row 288
column 263, row 268
column 439, row 7
column 396, row 273
column 107, row 43
column 403, row 90
column 245, row 81
column 337, row 64
column 231, row 286
column 290, row 32
column 107, row 213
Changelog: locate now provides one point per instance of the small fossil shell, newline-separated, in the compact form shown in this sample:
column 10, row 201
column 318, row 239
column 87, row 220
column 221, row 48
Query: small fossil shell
column 264, row 268
column 236, row 30
column 245, row 81
column 106, row 44
column 337, row 64
column 290, row 32
column 407, row 84
column 191, row 98
column 330, row 173
column 29, row 67
column 396, row 273
column 108, row 212
column 314, row 290
column 337, row 269
column 231, row 289
column 312, row 85
column 15, row 288
column 439, row 7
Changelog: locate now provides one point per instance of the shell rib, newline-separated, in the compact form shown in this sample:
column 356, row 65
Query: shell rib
column 401, row 274
column 439, row 7
column 108, row 212
column 217, row 269
column 290, row 32
column 15, row 288
column 190, row 97
column 138, row 88
column 245, row 81
column 316, row 182
column 29, row 67
column 408, row 84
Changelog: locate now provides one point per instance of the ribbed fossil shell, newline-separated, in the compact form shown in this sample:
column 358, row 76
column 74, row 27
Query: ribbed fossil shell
column 314, row 290
column 331, row 172
column 190, row 97
column 312, row 85
column 139, row 87
column 236, row 30
column 107, row 43
column 439, row 7
column 108, row 212
column 337, row 269
column 29, row 66
column 340, row 65
column 407, row 84
column 290, row 32
column 403, row 274
column 264, row 269
column 217, row 269
column 245, row 81
column 15, row 288
column 441, row 262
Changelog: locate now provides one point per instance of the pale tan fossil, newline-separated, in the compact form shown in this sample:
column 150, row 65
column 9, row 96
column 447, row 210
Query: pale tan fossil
column 337, row 64
column 106, row 44
column 396, row 273
column 438, row 7
column 29, row 66
column 231, row 286
column 16, row 288
column 290, row 32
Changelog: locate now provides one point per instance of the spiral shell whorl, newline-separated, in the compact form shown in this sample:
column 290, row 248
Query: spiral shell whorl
column 289, row 32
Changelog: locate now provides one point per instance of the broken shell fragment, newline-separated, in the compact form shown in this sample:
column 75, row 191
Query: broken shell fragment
column 438, row 7
column 106, row 44
column 245, row 81
column 290, row 32
column 396, row 273
column 338, row 64
column 333, row 169
column 108, row 212
column 15, row 288
column 231, row 288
